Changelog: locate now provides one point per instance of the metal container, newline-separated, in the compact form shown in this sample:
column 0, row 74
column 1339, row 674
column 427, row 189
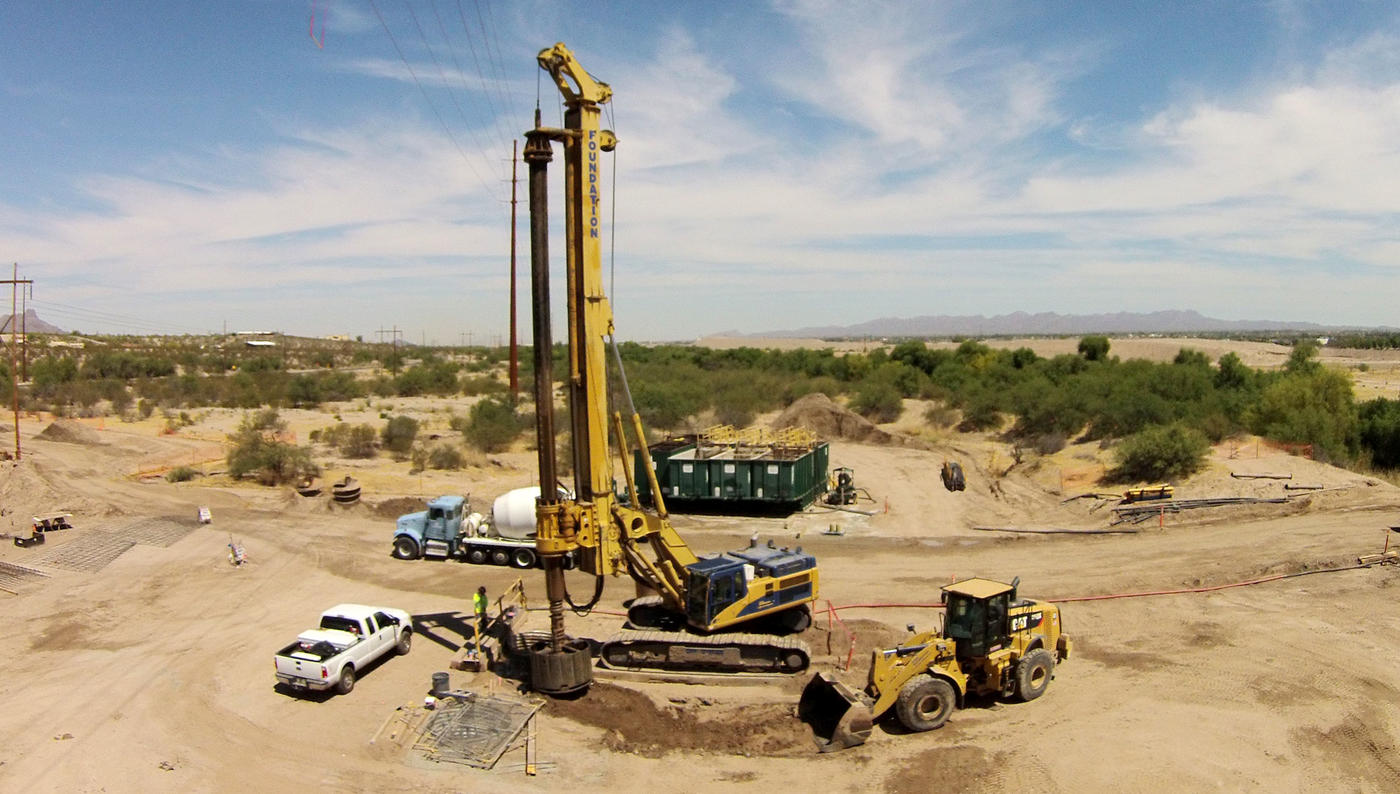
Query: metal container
column 708, row 477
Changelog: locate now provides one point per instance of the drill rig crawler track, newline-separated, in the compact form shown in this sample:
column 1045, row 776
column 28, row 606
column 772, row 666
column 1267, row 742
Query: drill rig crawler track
column 678, row 651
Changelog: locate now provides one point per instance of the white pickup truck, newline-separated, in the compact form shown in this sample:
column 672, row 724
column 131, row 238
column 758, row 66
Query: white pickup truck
column 349, row 638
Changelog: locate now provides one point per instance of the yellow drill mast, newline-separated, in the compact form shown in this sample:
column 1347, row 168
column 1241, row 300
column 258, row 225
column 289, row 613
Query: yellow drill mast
column 606, row 537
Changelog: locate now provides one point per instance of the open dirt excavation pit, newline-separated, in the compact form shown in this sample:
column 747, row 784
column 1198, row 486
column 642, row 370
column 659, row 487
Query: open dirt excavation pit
column 152, row 671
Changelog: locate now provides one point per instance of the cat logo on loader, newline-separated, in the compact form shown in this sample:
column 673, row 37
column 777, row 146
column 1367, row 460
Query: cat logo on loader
column 991, row 644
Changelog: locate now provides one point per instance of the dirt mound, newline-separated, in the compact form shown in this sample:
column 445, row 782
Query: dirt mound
column 393, row 508
column 71, row 432
column 23, row 493
column 635, row 724
column 818, row 413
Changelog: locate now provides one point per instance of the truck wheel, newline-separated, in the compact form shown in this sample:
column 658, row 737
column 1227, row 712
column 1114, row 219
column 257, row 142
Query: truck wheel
column 405, row 643
column 925, row 703
column 522, row 558
column 405, row 548
column 476, row 556
column 347, row 680
column 499, row 557
column 1033, row 674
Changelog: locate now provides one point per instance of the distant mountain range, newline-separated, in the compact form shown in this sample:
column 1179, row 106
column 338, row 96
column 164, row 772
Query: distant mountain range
column 31, row 324
column 1045, row 324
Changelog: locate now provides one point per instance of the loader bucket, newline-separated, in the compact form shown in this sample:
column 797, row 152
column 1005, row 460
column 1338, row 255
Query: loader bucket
column 838, row 715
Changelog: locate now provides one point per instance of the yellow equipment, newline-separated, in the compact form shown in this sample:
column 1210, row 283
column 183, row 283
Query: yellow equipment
column 1146, row 493
column 992, row 644
column 605, row 536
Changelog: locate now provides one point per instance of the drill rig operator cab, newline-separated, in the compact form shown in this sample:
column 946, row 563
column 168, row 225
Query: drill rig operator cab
column 741, row 585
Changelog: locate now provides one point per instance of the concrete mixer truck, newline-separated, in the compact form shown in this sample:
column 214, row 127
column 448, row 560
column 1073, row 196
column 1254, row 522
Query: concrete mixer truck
column 449, row 529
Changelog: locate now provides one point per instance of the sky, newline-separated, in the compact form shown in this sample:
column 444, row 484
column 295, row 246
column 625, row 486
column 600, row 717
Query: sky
column 344, row 166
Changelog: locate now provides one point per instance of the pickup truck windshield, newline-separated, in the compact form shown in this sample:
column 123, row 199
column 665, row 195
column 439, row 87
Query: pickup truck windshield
column 337, row 623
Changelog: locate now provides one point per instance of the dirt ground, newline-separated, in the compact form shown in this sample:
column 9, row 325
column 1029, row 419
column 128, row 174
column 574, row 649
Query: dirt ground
column 153, row 672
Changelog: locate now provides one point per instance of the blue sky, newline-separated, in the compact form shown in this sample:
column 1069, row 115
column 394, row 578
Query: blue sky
column 181, row 167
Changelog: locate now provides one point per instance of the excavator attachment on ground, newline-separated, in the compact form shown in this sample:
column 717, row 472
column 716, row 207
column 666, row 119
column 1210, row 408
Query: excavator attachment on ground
column 838, row 715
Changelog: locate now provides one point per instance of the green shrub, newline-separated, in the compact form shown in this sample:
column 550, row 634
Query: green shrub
column 878, row 401
column 979, row 415
column 493, row 424
column 1094, row 347
column 351, row 441
column 1159, row 453
column 1380, row 431
column 181, row 474
column 398, row 435
column 439, row 456
column 257, row 452
column 473, row 385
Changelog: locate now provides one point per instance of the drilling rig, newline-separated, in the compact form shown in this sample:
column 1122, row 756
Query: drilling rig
column 697, row 610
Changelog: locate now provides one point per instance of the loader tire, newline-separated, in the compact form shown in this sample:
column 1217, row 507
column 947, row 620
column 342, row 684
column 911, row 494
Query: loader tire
column 1033, row 674
column 925, row 703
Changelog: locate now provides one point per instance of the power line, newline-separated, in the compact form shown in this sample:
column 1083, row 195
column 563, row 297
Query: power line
column 486, row 44
column 462, row 74
column 442, row 75
column 497, row 68
column 446, row 129
column 85, row 315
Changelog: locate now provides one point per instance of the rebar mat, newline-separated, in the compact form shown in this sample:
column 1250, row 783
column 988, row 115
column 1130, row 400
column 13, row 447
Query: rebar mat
column 87, row 554
column 153, row 531
column 12, row 576
column 475, row 731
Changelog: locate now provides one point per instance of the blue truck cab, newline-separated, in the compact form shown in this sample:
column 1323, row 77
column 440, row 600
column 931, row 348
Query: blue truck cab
column 434, row 532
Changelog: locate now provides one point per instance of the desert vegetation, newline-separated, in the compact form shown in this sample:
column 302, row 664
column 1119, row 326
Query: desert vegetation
column 1159, row 415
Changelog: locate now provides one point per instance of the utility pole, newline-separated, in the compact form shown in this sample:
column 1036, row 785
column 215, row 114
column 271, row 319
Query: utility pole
column 24, row 330
column 14, row 283
column 514, row 355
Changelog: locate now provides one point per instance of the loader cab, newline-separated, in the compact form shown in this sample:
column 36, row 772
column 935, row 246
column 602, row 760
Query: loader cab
column 976, row 616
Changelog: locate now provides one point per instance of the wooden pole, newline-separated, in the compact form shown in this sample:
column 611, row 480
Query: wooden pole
column 14, row 370
column 514, row 350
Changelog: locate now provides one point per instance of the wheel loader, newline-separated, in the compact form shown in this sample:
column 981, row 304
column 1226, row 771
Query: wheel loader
column 991, row 643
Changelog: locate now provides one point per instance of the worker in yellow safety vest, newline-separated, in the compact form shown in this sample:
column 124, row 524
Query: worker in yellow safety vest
column 479, row 606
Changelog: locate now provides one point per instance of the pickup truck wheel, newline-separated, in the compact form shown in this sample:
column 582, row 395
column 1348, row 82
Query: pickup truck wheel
column 405, row 643
column 347, row 680
column 499, row 557
column 405, row 548
column 522, row 558
column 476, row 556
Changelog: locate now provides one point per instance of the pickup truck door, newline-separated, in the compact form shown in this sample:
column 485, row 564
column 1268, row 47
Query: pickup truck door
column 389, row 628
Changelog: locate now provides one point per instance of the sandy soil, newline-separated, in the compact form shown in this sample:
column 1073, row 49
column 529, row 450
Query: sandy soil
column 154, row 672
